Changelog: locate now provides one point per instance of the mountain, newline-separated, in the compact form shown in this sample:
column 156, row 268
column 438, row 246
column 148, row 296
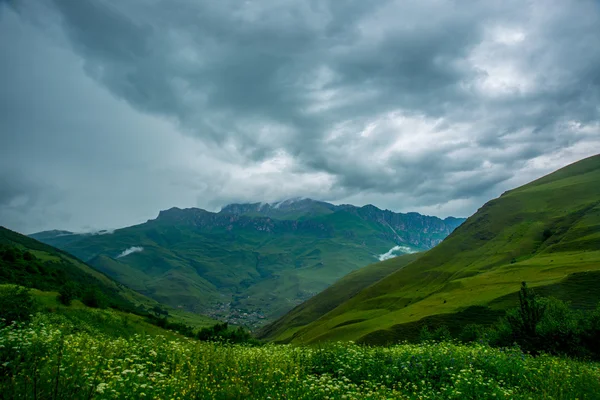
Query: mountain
column 250, row 263
column 546, row 233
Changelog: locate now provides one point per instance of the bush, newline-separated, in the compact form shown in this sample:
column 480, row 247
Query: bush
column 93, row 298
column 542, row 325
column 9, row 255
column 27, row 256
column 16, row 304
column 439, row 335
column 473, row 333
column 425, row 334
column 590, row 337
column 67, row 293
column 222, row 333
column 560, row 329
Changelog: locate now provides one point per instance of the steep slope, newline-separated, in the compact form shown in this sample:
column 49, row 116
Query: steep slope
column 336, row 294
column 546, row 233
column 254, row 266
column 30, row 263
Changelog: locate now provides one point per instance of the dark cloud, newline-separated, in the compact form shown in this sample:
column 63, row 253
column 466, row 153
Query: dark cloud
column 428, row 105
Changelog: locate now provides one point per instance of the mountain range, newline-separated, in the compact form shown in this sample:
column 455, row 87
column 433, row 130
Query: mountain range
column 250, row 263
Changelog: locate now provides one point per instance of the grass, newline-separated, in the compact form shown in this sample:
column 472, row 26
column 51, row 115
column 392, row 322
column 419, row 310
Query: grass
column 77, row 312
column 544, row 233
column 53, row 359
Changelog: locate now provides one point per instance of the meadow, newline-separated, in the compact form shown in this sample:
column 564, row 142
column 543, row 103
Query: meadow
column 52, row 357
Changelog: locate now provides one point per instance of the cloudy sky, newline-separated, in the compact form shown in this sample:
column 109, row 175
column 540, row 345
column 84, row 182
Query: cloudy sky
column 112, row 110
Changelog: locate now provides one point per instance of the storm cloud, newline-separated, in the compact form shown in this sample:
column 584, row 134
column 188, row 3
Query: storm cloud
column 113, row 110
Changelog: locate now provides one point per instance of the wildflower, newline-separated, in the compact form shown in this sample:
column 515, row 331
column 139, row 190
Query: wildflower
column 101, row 387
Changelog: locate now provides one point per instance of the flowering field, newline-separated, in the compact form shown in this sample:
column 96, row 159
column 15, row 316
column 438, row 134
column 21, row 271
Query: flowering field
column 47, row 359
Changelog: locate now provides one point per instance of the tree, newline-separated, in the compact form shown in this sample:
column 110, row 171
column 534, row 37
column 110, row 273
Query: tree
column 9, row 255
column 67, row 293
column 27, row 256
column 93, row 298
column 531, row 311
column 158, row 311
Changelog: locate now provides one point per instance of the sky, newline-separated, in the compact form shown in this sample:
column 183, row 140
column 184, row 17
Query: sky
column 113, row 110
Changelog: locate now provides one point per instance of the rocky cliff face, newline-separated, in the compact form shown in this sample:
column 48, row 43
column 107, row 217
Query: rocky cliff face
column 287, row 209
column 318, row 218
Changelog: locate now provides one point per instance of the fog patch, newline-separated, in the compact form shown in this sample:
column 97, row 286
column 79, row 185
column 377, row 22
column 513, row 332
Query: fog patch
column 134, row 249
column 394, row 252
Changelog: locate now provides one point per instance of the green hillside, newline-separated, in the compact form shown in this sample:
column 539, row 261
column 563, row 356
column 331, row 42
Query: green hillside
column 32, row 264
column 249, row 263
column 333, row 296
column 546, row 233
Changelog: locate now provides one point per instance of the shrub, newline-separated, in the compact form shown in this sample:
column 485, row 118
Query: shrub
column 472, row 333
column 67, row 293
column 93, row 298
column 27, row 256
column 9, row 255
column 16, row 304
column 221, row 332
column 543, row 325
column 560, row 329
column 425, row 334
column 440, row 334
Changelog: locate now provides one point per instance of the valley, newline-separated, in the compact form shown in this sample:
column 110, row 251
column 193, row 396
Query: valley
column 299, row 200
column 250, row 263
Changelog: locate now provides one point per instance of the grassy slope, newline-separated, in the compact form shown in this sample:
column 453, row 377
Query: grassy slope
column 72, row 268
column 333, row 296
column 52, row 260
column 110, row 322
column 541, row 233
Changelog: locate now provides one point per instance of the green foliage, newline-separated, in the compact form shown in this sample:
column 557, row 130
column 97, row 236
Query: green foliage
column 159, row 311
column 472, row 333
column 541, row 325
column 16, row 304
column 94, row 298
column 50, row 359
column 530, row 312
column 179, row 327
column 440, row 334
column 8, row 254
column 221, row 332
column 67, row 293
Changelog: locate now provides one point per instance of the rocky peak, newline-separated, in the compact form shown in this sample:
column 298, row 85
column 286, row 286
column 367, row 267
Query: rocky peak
column 287, row 209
